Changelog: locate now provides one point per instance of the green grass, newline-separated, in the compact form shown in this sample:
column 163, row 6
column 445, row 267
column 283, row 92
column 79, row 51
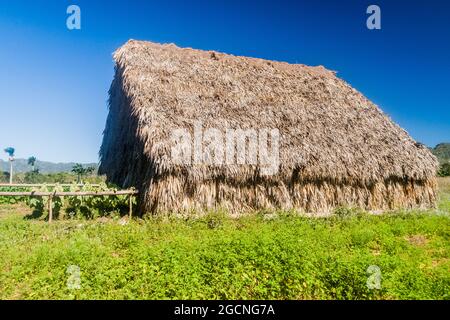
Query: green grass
column 444, row 195
column 286, row 257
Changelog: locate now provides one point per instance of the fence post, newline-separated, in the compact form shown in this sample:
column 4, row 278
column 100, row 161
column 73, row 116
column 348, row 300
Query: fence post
column 50, row 208
column 131, row 205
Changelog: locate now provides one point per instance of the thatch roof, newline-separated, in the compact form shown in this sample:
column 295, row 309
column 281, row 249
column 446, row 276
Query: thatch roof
column 328, row 130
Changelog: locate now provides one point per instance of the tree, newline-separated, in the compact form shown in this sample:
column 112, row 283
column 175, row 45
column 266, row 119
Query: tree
column 4, row 176
column 81, row 171
column 444, row 170
column 78, row 170
column 10, row 151
column 32, row 162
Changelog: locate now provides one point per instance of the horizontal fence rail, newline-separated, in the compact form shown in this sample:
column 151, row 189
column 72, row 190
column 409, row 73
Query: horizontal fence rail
column 31, row 185
column 52, row 194
column 68, row 193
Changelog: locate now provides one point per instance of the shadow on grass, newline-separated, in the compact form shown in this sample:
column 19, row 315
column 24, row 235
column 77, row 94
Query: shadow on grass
column 35, row 215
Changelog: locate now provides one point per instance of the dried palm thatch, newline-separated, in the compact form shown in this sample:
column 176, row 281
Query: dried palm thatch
column 336, row 147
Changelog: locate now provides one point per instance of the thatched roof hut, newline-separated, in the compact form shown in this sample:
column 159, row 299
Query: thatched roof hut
column 334, row 147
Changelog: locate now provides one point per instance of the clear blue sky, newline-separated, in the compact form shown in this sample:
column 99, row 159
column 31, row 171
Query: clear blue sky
column 54, row 82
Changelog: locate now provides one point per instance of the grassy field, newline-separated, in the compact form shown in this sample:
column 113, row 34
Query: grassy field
column 268, row 256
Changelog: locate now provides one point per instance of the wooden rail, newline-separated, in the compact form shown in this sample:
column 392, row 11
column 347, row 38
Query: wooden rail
column 53, row 194
column 31, row 185
column 65, row 193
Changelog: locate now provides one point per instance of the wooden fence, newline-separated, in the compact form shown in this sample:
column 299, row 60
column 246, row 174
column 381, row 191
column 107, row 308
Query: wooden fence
column 52, row 194
column 31, row 185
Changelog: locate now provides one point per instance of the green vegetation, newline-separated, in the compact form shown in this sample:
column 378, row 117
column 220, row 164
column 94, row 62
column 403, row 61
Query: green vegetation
column 82, row 171
column 81, row 207
column 32, row 162
column 444, row 197
column 13, row 200
column 444, row 170
column 36, row 177
column 78, row 173
column 442, row 152
column 265, row 256
column 22, row 166
column 71, row 206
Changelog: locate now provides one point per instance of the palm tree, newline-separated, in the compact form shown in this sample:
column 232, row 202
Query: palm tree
column 10, row 152
column 81, row 171
column 32, row 162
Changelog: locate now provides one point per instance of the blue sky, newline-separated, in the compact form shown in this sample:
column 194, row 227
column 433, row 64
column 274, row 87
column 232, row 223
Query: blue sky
column 54, row 81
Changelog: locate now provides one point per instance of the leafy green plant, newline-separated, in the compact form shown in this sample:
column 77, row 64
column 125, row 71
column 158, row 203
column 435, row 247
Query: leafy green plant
column 74, row 206
column 214, row 219
column 245, row 258
column 12, row 200
column 96, row 206
column 347, row 211
column 444, row 170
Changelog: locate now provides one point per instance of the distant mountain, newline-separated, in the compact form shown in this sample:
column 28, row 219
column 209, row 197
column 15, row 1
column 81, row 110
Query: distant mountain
column 442, row 152
column 21, row 165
